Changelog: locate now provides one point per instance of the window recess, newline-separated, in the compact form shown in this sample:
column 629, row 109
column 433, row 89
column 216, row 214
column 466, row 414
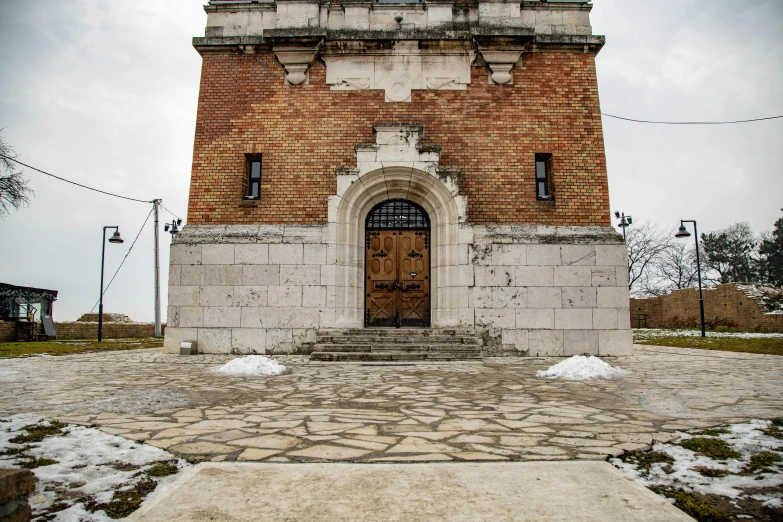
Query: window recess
column 544, row 176
column 253, row 176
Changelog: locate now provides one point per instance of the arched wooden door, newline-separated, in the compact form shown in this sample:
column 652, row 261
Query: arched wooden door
column 397, row 265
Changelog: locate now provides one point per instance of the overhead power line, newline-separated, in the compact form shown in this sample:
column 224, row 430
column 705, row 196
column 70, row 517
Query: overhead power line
column 73, row 182
column 169, row 211
column 123, row 259
column 691, row 122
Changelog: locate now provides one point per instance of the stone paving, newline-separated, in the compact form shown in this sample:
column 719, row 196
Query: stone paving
column 495, row 409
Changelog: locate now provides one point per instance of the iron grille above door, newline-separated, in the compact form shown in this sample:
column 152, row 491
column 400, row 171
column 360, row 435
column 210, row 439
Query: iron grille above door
column 397, row 214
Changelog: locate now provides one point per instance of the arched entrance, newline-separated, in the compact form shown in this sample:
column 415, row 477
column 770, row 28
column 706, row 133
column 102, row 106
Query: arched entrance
column 397, row 265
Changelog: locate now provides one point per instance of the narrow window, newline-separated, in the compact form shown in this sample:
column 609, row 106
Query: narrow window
column 543, row 176
column 253, row 177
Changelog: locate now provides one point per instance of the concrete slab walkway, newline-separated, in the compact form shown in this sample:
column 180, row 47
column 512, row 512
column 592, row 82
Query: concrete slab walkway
column 532, row 491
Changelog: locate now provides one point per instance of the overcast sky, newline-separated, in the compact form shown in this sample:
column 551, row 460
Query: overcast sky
column 104, row 93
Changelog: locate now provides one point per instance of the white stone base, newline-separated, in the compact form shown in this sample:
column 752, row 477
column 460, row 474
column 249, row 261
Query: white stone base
column 528, row 290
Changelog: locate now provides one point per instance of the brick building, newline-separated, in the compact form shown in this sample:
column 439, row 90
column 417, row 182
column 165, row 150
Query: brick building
column 368, row 164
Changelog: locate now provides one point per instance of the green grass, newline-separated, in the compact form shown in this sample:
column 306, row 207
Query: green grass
column 125, row 501
column 716, row 449
column 644, row 460
column 162, row 469
column 38, row 432
column 698, row 507
column 774, row 429
column 762, row 461
column 36, row 462
column 28, row 349
column 714, row 432
column 769, row 345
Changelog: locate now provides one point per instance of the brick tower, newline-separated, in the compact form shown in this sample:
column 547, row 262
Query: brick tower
column 434, row 165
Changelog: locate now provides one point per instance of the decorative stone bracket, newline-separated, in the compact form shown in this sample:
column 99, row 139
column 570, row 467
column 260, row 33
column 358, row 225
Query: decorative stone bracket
column 296, row 60
column 500, row 63
column 399, row 71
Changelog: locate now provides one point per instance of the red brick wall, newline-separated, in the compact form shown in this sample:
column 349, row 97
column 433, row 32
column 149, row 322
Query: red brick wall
column 492, row 132
column 82, row 330
column 7, row 331
column 725, row 306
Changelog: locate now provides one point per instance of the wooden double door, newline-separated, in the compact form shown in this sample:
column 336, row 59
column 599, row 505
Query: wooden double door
column 397, row 264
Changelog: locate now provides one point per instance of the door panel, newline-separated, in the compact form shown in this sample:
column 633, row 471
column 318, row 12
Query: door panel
column 381, row 278
column 414, row 291
column 398, row 284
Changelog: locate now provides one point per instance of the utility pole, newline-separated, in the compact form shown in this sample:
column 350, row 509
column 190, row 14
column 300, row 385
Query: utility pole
column 156, row 203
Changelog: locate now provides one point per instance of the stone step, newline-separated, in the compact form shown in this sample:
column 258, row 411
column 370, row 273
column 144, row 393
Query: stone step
column 375, row 339
column 393, row 347
column 391, row 356
column 396, row 344
column 403, row 332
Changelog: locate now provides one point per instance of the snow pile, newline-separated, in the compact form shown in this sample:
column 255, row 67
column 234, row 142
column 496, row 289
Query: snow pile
column 87, row 461
column 747, row 439
column 579, row 368
column 653, row 333
column 252, row 365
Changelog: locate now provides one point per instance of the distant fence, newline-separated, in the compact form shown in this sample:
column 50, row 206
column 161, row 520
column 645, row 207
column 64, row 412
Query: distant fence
column 85, row 330
column 727, row 306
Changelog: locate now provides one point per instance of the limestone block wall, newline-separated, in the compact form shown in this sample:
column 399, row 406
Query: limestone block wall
column 527, row 290
column 725, row 306
column 249, row 289
column 550, row 290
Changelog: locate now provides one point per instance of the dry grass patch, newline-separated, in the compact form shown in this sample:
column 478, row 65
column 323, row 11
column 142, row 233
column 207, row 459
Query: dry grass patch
column 33, row 348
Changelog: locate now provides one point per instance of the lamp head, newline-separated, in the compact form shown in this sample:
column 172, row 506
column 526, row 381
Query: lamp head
column 630, row 220
column 115, row 238
column 682, row 232
column 617, row 214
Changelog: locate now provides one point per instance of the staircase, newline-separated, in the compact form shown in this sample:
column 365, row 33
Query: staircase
column 396, row 344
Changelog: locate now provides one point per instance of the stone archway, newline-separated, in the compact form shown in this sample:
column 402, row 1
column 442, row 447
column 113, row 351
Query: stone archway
column 397, row 166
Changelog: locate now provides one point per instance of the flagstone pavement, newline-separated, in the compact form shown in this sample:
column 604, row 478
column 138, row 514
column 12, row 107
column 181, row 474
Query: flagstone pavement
column 495, row 409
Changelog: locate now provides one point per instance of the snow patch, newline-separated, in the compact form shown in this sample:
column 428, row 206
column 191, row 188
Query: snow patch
column 579, row 368
column 252, row 365
column 86, row 460
column 641, row 334
column 748, row 439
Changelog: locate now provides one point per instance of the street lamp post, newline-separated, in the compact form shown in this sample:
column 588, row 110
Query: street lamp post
column 682, row 233
column 115, row 238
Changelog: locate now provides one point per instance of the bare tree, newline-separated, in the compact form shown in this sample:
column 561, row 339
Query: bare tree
column 673, row 269
column 646, row 243
column 14, row 192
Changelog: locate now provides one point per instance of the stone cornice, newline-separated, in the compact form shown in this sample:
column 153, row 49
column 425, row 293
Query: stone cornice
column 311, row 35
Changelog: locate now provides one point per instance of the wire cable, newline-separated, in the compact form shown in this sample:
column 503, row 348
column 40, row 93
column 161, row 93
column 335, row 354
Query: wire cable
column 73, row 182
column 167, row 210
column 691, row 122
column 85, row 186
column 123, row 259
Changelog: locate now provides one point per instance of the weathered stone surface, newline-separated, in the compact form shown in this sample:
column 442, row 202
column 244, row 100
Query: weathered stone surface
column 326, row 452
column 427, row 412
column 280, row 442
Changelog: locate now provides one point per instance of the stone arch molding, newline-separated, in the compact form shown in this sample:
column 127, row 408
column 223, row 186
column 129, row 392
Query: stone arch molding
column 397, row 165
